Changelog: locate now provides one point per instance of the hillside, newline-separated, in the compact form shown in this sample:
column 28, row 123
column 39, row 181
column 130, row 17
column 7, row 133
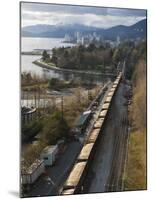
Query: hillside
column 135, row 174
column 136, row 30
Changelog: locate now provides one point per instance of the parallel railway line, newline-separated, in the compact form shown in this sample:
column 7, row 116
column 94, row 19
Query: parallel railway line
column 114, row 182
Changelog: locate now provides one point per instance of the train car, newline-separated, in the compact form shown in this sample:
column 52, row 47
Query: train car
column 93, row 136
column 83, row 121
column 110, row 94
column 105, row 106
column 98, row 123
column 113, row 89
column 68, row 192
column 108, row 99
column 116, row 81
column 85, row 152
column 114, row 86
column 76, row 177
column 103, row 114
column 120, row 75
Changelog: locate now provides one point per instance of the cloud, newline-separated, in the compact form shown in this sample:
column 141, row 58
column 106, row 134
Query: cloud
column 126, row 12
column 44, row 7
column 33, row 13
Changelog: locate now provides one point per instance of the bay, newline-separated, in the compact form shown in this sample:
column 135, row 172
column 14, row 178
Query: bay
column 30, row 44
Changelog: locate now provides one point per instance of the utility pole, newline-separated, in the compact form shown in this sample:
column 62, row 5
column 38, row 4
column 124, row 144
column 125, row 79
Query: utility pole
column 104, row 71
column 88, row 95
column 44, row 100
column 27, row 98
column 35, row 98
column 38, row 101
column 23, row 98
column 62, row 107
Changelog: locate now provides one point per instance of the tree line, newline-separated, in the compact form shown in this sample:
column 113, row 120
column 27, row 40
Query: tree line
column 81, row 57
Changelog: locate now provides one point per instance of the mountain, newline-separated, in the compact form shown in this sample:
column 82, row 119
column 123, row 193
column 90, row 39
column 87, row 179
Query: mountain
column 134, row 31
column 40, row 30
column 56, row 30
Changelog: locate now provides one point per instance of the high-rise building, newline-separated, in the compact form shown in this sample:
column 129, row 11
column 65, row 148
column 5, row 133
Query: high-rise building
column 67, row 38
column 118, row 40
column 78, row 37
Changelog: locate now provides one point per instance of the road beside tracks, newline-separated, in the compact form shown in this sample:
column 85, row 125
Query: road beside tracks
column 57, row 174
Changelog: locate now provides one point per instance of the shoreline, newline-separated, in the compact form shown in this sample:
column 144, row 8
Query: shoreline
column 53, row 67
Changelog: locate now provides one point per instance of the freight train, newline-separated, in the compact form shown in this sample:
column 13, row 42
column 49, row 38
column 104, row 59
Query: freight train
column 75, row 182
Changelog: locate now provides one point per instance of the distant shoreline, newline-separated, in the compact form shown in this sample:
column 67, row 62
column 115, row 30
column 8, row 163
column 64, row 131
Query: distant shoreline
column 52, row 66
column 31, row 53
column 64, row 41
column 40, row 37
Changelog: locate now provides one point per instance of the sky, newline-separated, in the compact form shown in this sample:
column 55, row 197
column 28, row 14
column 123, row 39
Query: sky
column 53, row 14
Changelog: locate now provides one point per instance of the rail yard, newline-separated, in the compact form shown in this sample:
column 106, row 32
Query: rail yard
column 98, row 160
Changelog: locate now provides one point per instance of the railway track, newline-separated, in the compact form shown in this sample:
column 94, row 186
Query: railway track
column 114, row 181
column 108, row 165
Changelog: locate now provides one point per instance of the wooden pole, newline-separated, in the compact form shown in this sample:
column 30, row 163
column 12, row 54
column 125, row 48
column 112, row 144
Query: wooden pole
column 27, row 98
column 62, row 107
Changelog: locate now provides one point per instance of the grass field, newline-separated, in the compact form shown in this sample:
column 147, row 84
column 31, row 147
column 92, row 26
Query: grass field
column 135, row 176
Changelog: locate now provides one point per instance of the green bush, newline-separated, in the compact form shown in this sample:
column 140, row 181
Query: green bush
column 32, row 129
column 54, row 128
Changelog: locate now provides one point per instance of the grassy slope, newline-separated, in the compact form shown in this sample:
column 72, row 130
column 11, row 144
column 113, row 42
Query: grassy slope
column 135, row 176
